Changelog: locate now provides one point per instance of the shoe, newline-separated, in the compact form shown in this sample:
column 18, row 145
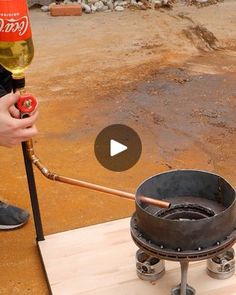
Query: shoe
column 12, row 217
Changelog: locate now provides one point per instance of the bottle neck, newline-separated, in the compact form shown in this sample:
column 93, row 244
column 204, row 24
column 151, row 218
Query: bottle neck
column 18, row 75
column 18, row 84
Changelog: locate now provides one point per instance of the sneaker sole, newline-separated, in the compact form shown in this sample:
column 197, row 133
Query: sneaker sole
column 7, row 227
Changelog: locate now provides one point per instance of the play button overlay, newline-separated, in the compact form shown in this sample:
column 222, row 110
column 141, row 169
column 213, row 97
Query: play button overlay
column 118, row 147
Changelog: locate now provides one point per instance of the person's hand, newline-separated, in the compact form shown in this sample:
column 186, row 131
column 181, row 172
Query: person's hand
column 12, row 129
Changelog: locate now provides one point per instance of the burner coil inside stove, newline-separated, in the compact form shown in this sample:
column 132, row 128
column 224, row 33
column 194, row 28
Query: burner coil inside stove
column 186, row 212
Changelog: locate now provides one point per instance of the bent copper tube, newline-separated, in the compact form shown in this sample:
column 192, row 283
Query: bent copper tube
column 53, row 176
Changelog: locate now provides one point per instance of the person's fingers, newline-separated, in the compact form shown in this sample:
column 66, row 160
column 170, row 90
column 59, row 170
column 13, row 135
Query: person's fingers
column 27, row 133
column 20, row 136
column 27, row 122
column 15, row 113
column 9, row 100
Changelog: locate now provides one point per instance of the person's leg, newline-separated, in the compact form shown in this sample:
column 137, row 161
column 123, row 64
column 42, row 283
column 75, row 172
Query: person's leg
column 12, row 217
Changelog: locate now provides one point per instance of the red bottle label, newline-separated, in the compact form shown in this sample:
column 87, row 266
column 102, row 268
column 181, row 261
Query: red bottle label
column 14, row 21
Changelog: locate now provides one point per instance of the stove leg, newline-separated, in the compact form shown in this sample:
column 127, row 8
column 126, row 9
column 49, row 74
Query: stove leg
column 184, row 272
column 222, row 266
column 183, row 288
column 149, row 268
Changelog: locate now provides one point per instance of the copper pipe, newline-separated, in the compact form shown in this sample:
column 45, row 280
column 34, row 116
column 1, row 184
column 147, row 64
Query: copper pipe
column 50, row 175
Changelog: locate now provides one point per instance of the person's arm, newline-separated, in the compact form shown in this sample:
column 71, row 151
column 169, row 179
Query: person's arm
column 12, row 129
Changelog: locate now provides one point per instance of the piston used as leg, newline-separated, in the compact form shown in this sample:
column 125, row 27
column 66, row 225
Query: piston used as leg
column 149, row 268
column 221, row 266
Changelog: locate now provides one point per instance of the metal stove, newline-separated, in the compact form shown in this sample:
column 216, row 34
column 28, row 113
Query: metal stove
column 201, row 224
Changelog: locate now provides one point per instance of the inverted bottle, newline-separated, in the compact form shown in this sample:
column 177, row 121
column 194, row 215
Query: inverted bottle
column 16, row 45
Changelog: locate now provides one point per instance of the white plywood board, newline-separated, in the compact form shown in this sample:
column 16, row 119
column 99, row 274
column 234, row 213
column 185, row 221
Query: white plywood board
column 100, row 260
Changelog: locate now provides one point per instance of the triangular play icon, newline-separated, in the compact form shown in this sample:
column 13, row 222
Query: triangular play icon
column 116, row 147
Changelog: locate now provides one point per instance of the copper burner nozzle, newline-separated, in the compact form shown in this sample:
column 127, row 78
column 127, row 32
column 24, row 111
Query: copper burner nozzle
column 155, row 202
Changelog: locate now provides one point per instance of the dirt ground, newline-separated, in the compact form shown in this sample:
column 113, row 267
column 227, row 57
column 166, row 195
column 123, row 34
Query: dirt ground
column 170, row 75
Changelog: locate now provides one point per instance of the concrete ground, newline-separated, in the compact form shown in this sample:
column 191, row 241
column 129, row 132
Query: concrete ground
column 170, row 75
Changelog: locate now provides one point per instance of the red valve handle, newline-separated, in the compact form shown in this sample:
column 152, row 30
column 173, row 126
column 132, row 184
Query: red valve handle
column 26, row 104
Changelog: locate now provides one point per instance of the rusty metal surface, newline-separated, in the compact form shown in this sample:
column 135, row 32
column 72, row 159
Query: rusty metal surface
column 174, row 254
